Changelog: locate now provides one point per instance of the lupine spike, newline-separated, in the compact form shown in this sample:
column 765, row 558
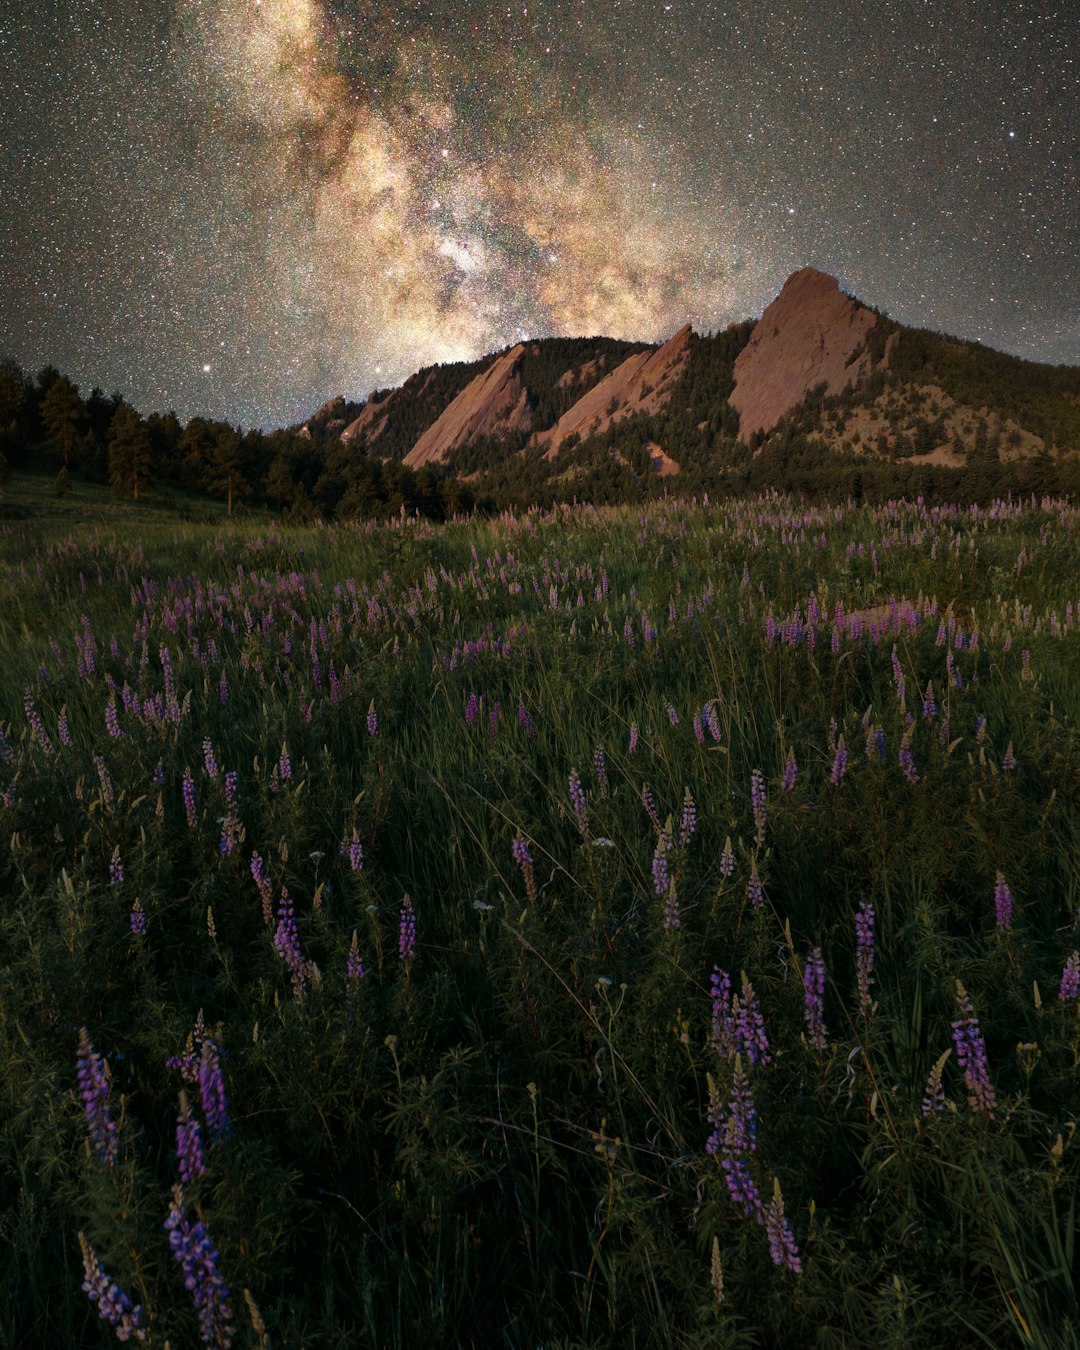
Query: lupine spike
column 782, row 1246
column 113, row 1305
column 94, row 1089
column 1003, row 903
column 971, row 1055
column 198, row 1258
column 814, row 999
column 933, row 1102
column 406, row 931
column 864, row 954
column 1070, row 979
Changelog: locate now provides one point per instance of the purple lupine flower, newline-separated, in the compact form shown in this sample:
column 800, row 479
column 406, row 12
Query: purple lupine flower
column 354, row 851
column 187, row 1064
column 372, row 719
column 212, row 1091
column 525, row 722
column 354, row 969
column 284, row 766
column 727, row 859
column 933, row 1102
column 198, row 1258
column 688, row 820
column 600, row 770
column 757, row 802
column 712, row 720
column 864, row 953
column 1008, row 761
column 671, row 908
column 406, row 930
column 189, row 1150
column 37, row 726
column 577, row 800
column 650, row 808
column 1003, row 903
column 223, row 688
column 907, row 763
column 898, row 678
column 116, row 867
column 742, row 1188
column 287, row 944
column 782, row 1246
column 94, row 1090
column 971, row 1055
column 754, row 892
column 814, row 999
column 840, row 760
column 113, row 1305
column 722, row 1023
column 929, row 706
column 209, row 762
column 1070, row 979
column 661, row 873
column 740, row 1132
column 112, row 721
column 791, row 773
column 189, row 798
column 749, row 1025
column 137, row 919
column 63, row 731
column 266, row 890
column 105, row 781
column 472, row 709
column 633, row 738
column 672, row 714
column 520, row 850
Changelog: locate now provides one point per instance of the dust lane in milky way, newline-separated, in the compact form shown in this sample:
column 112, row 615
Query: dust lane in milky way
column 239, row 207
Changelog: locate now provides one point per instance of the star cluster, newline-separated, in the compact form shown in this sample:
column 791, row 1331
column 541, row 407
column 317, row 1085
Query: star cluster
column 241, row 207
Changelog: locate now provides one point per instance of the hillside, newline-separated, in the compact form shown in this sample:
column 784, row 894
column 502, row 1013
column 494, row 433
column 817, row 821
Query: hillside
column 822, row 395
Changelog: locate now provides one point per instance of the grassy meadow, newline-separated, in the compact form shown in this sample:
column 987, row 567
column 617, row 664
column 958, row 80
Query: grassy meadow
column 591, row 928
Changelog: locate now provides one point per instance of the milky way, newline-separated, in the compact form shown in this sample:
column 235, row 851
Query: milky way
column 240, row 208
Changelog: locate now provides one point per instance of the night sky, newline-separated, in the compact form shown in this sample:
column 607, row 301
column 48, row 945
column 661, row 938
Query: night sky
column 242, row 207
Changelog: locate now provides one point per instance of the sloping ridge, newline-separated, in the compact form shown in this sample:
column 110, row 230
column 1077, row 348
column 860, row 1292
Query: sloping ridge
column 371, row 421
column 642, row 383
column 811, row 334
column 493, row 403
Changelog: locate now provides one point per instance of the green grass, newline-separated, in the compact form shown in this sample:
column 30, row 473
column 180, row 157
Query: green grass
column 502, row 1140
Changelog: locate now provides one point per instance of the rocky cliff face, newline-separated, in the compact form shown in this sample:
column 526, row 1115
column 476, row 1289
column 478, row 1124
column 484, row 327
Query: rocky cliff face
column 371, row 422
column 811, row 334
column 495, row 403
column 640, row 384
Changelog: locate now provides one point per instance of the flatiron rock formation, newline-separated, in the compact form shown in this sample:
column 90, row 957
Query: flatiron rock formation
column 494, row 403
column 811, row 334
column 641, row 384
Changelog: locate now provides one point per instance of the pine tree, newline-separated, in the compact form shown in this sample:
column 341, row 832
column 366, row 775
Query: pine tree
column 225, row 468
column 129, row 453
column 63, row 413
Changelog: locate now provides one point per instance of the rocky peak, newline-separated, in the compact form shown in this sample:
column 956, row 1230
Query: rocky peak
column 811, row 334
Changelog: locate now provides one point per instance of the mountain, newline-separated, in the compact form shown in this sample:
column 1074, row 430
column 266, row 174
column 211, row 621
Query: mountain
column 811, row 334
column 821, row 384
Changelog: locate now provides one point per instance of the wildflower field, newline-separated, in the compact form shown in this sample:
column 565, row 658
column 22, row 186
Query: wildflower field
column 626, row 927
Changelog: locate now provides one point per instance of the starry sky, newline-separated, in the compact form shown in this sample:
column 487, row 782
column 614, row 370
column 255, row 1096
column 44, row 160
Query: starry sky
column 239, row 208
